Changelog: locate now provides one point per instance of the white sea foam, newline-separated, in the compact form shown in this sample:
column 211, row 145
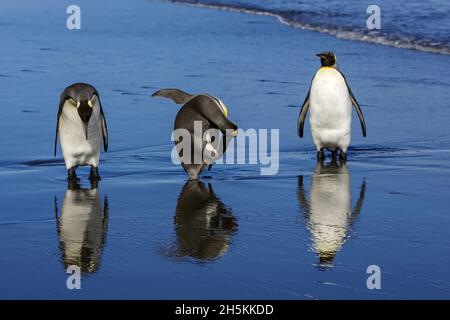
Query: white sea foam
column 352, row 35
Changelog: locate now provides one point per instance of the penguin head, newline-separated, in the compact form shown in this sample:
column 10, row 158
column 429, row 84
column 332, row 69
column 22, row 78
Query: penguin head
column 82, row 97
column 326, row 260
column 327, row 59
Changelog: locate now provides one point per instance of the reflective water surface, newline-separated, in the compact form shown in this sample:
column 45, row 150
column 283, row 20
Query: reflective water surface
column 204, row 226
column 329, row 214
column 309, row 232
column 82, row 226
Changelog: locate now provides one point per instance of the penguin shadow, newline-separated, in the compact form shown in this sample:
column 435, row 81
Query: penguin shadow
column 328, row 213
column 204, row 225
column 82, row 227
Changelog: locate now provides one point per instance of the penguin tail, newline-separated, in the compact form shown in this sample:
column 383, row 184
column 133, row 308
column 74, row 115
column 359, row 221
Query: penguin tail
column 178, row 96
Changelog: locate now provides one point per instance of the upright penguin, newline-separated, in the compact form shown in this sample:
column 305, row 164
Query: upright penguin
column 330, row 101
column 81, row 125
column 82, row 225
column 202, row 112
column 328, row 211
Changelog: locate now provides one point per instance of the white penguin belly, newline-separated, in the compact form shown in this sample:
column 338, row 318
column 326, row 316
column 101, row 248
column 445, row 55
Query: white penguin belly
column 211, row 150
column 330, row 110
column 76, row 149
column 80, row 223
column 330, row 210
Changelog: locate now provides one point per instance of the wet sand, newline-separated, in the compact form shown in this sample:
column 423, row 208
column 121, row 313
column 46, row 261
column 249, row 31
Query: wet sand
column 265, row 237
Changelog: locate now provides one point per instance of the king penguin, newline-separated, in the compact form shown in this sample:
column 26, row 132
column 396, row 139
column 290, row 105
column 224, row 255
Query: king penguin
column 81, row 125
column 328, row 213
column 82, row 225
column 204, row 225
column 208, row 113
column 330, row 101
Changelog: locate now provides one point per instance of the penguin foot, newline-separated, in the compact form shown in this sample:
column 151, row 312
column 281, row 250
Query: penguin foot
column 94, row 184
column 72, row 175
column 73, row 185
column 343, row 157
column 320, row 155
column 334, row 154
column 94, row 176
column 321, row 162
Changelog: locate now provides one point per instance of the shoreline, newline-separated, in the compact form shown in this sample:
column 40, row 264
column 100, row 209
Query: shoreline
column 337, row 33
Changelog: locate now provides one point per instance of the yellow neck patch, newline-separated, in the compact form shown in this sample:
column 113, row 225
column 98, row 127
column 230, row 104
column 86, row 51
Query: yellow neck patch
column 225, row 110
column 222, row 106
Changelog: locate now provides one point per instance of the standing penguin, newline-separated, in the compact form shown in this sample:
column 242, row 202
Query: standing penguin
column 330, row 101
column 328, row 213
column 210, row 115
column 80, row 126
column 82, row 225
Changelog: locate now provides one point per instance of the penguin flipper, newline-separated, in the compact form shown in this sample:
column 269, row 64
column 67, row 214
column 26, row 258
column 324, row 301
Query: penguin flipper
column 178, row 96
column 357, row 107
column 302, row 116
column 207, row 107
column 105, row 133
column 358, row 111
column 301, row 194
column 61, row 106
column 104, row 127
column 359, row 204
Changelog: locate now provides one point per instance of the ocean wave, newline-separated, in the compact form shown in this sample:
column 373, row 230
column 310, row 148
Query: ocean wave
column 288, row 18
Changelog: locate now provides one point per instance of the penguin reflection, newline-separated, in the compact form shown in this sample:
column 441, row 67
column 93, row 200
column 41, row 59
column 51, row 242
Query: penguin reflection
column 329, row 215
column 82, row 227
column 204, row 226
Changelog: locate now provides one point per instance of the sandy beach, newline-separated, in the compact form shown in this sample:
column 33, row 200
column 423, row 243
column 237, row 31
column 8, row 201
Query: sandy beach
column 265, row 245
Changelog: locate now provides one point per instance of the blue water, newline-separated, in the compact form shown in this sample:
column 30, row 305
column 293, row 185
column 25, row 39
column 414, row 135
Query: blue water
column 416, row 24
column 143, row 233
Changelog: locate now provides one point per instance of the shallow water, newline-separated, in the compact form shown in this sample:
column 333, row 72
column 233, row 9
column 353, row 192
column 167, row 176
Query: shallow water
column 414, row 24
column 245, row 235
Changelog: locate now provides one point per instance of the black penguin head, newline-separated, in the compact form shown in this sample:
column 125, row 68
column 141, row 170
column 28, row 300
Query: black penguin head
column 326, row 260
column 82, row 96
column 327, row 59
column 85, row 110
column 204, row 225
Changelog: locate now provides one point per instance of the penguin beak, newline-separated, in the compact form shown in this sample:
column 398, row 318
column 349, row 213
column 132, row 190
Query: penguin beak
column 85, row 113
column 321, row 56
column 86, row 125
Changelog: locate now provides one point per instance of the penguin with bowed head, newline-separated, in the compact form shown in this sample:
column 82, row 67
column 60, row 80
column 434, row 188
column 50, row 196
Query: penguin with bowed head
column 210, row 115
column 81, row 128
